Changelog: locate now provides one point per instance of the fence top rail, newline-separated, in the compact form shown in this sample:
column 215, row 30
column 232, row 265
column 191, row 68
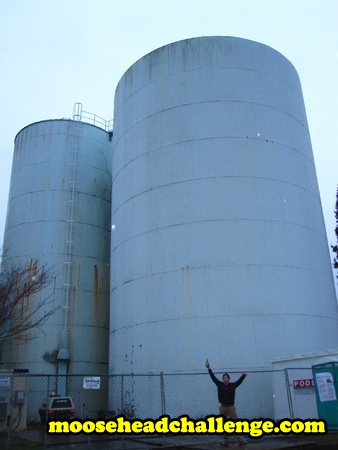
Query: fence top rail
column 150, row 374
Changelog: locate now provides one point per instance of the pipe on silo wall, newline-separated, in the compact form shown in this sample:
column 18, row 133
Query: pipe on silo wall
column 219, row 248
column 61, row 174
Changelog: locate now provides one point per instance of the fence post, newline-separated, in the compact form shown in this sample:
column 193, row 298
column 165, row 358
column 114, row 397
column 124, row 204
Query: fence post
column 46, row 415
column 163, row 408
column 9, row 423
column 287, row 381
column 122, row 407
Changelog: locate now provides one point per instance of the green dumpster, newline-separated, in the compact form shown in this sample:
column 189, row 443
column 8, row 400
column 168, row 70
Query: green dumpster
column 325, row 378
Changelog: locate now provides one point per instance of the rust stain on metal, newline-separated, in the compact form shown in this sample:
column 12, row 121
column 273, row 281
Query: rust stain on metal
column 185, row 284
column 96, row 283
column 32, row 269
column 31, row 274
column 97, row 317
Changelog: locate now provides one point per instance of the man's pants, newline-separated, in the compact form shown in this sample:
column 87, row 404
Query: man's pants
column 229, row 411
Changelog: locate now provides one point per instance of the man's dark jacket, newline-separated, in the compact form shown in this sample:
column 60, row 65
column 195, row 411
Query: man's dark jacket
column 226, row 392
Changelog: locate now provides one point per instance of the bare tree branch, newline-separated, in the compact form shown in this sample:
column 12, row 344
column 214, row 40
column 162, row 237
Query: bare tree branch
column 20, row 309
column 335, row 247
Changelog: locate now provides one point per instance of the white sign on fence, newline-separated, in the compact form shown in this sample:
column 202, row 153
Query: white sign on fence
column 5, row 381
column 91, row 382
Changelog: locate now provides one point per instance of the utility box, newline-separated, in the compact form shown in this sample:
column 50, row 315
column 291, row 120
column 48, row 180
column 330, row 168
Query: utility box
column 325, row 378
column 5, row 398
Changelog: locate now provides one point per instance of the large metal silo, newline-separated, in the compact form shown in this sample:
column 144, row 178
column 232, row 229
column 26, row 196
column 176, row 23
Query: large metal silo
column 59, row 215
column 218, row 246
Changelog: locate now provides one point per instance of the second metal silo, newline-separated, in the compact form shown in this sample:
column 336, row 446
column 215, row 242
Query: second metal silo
column 59, row 216
column 218, row 246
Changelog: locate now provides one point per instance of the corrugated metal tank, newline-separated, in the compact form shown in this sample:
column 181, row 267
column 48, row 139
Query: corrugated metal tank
column 59, row 214
column 219, row 248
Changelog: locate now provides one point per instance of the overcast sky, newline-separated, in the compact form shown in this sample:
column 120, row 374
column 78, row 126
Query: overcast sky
column 54, row 53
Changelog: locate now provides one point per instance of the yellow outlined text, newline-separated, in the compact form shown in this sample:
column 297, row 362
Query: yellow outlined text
column 185, row 425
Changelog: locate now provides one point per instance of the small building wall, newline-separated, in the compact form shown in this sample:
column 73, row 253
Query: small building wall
column 296, row 397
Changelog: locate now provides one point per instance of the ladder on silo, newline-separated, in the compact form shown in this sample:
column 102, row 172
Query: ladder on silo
column 63, row 354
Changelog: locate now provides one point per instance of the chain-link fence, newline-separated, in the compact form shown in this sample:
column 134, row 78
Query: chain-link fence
column 273, row 395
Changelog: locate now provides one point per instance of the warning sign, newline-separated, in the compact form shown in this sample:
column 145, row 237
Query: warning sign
column 91, row 383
